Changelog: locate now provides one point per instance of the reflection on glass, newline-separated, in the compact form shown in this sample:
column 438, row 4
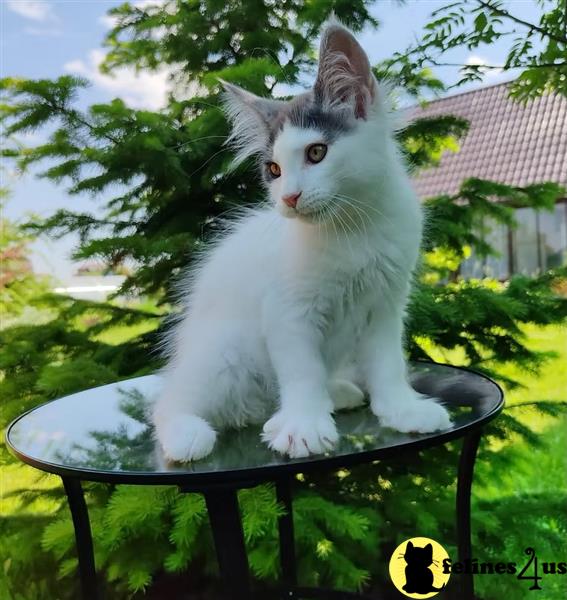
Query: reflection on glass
column 472, row 267
column 123, row 448
column 495, row 266
column 526, row 260
column 108, row 428
column 553, row 236
column 538, row 243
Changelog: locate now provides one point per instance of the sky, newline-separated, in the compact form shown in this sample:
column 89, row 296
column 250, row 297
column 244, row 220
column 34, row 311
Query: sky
column 49, row 38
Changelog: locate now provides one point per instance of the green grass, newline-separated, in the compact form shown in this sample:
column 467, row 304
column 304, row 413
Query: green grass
column 14, row 477
column 543, row 468
column 536, row 472
column 121, row 334
column 549, row 384
column 552, row 381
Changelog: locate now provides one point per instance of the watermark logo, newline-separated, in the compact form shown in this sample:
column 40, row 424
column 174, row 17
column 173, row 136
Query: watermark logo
column 416, row 568
column 420, row 568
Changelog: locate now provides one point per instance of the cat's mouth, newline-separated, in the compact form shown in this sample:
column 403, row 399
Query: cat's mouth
column 313, row 215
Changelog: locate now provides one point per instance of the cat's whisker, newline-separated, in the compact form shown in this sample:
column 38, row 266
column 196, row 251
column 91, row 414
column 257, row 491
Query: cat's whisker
column 274, row 59
column 364, row 206
column 345, row 224
column 375, row 210
column 333, row 222
column 323, row 223
column 361, row 218
column 382, row 216
column 356, row 223
column 206, row 137
column 346, row 231
column 229, row 211
column 327, row 233
column 359, row 212
column 207, row 161
column 205, row 103
column 269, row 226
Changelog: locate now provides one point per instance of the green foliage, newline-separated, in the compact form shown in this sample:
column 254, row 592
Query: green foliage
column 537, row 50
column 424, row 140
column 167, row 171
column 534, row 505
column 18, row 285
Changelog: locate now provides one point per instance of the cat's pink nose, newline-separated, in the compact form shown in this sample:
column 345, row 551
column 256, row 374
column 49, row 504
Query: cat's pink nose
column 291, row 199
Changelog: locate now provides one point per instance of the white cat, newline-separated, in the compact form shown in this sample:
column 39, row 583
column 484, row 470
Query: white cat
column 303, row 300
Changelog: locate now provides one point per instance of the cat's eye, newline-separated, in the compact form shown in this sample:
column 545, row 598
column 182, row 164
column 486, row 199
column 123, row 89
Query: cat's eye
column 273, row 169
column 316, row 153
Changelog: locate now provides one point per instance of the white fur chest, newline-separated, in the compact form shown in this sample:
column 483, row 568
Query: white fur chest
column 339, row 285
column 337, row 274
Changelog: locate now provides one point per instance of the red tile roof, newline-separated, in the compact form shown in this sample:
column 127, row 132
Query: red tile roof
column 507, row 141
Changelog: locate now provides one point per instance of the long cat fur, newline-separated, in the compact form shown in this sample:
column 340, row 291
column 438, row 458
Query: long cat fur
column 303, row 305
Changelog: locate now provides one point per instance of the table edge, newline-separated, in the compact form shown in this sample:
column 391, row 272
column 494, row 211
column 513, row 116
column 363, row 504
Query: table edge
column 257, row 475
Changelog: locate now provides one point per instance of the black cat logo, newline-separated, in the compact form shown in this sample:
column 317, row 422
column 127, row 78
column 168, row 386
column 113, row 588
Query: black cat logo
column 416, row 568
column 419, row 577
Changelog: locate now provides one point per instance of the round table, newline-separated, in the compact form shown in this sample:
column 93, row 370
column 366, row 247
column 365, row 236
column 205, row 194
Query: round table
column 104, row 434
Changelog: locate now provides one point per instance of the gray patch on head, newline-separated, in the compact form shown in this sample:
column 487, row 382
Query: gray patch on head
column 306, row 113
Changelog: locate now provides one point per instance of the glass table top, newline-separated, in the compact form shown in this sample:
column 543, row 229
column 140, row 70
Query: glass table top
column 105, row 434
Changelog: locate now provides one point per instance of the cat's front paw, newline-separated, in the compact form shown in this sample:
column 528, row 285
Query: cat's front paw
column 409, row 412
column 298, row 435
column 186, row 438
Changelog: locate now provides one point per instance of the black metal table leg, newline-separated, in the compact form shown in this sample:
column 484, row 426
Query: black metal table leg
column 83, row 537
column 464, row 486
column 224, row 515
column 287, row 541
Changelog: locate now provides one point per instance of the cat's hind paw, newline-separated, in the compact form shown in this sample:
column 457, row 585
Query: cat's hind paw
column 413, row 413
column 299, row 436
column 345, row 394
column 187, row 438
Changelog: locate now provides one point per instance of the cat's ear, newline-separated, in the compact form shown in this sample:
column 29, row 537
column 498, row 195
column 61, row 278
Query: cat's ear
column 251, row 117
column 344, row 78
column 409, row 546
column 429, row 550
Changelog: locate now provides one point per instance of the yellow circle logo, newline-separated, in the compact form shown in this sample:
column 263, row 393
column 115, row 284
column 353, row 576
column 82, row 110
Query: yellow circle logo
column 416, row 568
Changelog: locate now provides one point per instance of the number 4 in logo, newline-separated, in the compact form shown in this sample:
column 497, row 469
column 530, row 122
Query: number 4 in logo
column 533, row 559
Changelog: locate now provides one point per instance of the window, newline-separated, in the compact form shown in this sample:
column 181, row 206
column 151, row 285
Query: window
column 538, row 243
column 525, row 243
column 497, row 267
column 553, row 236
column 472, row 268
